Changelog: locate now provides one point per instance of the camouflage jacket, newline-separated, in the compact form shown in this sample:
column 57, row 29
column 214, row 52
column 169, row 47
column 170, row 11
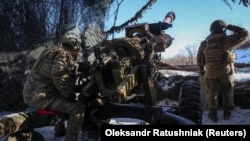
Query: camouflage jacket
column 215, row 56
column 53, row 73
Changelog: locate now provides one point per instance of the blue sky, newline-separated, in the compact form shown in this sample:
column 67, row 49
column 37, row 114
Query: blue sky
column 193, row 18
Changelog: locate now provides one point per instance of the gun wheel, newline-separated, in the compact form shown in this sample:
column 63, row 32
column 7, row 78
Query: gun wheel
column 190, row 102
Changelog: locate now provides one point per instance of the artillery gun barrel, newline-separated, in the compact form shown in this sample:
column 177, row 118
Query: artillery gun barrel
column 170, row 17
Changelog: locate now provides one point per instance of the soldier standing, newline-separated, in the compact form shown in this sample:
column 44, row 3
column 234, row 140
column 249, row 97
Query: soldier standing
column 51, row 82
column 215, row 59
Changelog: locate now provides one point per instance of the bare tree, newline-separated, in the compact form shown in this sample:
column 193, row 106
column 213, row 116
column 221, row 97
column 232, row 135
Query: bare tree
column 191, row 51
column 245, row 3
column 25, row 23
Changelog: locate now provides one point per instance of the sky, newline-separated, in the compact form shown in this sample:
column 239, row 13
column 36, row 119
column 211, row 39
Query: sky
column 193, row 19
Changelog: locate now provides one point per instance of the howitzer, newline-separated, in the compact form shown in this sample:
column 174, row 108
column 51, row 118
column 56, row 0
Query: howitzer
column 124, row 69
column 124, row 74
column 122, row 81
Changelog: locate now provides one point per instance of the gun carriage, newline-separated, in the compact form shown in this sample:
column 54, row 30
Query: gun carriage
column 121, row 82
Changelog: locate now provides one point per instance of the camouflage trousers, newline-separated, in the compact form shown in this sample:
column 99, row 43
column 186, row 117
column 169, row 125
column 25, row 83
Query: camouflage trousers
column 221, row 86
column 74, row 109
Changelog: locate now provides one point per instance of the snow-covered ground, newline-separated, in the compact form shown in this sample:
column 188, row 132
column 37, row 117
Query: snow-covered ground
column 239, row 116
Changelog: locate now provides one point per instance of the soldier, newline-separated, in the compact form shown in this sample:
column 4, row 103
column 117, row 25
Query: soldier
column 51, row 82
column 215, row 59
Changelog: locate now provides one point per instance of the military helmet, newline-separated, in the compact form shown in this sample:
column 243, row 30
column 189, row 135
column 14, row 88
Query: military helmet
column 69, row 31
column 71, row 44
column 218, row 26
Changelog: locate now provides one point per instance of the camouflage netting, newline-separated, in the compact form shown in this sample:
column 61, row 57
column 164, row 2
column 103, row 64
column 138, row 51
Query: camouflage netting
column 12, row 74
column 17, row 58
column 18, row 52
column 14, row 66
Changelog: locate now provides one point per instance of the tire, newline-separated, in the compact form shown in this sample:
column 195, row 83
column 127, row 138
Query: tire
column 190, row 102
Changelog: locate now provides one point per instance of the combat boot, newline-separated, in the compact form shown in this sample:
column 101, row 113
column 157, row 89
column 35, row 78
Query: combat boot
column 59, row 128
column 213, row 115
column 227, row 113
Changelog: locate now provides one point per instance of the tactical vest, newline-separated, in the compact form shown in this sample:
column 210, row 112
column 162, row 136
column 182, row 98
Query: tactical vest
column 214, row 50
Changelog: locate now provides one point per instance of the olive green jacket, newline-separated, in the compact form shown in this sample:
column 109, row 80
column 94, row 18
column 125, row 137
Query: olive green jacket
column 215, row 55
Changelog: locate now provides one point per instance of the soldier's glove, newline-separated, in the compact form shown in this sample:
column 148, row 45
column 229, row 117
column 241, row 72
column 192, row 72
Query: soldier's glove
column 233, row 28
column 230, row 27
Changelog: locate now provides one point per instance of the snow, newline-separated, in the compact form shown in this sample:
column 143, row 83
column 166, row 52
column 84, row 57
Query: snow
column 239, row 116
column 243, row 55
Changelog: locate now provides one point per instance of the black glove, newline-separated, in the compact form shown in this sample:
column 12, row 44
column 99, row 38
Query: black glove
column 230, row 27
column 233, row 28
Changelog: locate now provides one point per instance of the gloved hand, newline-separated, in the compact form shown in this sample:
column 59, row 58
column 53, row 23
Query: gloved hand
column 233, row 28
column 229, row 26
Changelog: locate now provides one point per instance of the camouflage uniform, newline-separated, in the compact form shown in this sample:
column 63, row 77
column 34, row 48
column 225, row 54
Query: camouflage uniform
column 216, row 59
column 50, row 85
